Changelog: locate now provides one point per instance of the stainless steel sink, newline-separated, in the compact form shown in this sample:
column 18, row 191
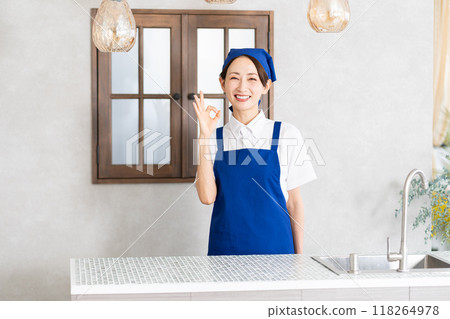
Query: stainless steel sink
column 379, row 263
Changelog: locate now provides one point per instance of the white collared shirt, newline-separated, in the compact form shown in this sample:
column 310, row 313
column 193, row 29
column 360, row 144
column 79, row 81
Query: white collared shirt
column 295, row 170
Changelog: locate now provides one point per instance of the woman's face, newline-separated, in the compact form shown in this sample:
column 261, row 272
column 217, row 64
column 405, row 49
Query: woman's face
column 242, row 85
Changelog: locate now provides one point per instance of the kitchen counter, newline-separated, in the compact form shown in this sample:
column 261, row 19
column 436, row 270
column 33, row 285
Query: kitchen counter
column 245, row 277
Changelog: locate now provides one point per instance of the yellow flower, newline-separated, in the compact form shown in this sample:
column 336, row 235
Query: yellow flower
column 440, row 212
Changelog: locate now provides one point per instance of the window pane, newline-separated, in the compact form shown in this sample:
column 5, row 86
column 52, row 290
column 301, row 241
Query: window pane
column 241, row 38
column 210, row 57
column 125, row 70
column 218, row 104
column 157, row 131
column 125, row 128
column 157, row 61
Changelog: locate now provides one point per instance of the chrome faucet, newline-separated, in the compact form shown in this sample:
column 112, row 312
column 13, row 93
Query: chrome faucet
column 402, row 256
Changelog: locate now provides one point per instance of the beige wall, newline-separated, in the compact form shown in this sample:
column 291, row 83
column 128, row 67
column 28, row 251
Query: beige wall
column 365, row 97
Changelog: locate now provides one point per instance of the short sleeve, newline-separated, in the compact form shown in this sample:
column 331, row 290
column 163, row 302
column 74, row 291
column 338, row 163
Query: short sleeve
column 300, row 170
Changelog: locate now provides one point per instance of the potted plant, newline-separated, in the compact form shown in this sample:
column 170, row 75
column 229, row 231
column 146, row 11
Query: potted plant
column 439, row 194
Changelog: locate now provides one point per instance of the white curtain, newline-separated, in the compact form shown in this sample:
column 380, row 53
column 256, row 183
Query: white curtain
column 441, row 83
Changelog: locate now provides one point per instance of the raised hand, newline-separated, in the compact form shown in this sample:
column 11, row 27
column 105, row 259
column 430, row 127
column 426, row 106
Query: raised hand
column 206, row 122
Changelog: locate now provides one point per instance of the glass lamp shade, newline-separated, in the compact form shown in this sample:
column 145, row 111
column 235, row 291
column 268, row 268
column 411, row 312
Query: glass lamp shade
column 328, row 15
column 114, row 27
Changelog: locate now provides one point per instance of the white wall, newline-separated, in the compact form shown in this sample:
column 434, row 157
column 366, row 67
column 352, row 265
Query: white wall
column 364, row 96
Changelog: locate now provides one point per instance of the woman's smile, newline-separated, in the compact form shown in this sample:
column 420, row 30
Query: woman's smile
column 242, row 98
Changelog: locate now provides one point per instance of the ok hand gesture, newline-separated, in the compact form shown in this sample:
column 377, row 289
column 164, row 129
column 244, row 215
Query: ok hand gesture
column 207, row 123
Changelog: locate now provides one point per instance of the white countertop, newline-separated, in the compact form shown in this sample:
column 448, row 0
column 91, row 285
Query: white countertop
column 229, row 273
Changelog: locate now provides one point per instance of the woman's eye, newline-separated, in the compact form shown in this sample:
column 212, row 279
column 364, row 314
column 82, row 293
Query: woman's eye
column 253, row 79
column 233, row 78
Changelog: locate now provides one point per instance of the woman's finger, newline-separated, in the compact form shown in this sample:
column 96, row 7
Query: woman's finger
column 208, row 110
column 199, row 103
column 217, row 117
column 211, row 108
column 195, row 108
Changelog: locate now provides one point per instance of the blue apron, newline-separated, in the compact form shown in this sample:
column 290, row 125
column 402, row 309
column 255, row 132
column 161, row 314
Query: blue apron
column 248, row 218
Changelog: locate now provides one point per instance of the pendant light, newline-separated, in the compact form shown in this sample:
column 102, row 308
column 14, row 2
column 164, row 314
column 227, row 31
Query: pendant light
column 114, row 28
column 328, row 15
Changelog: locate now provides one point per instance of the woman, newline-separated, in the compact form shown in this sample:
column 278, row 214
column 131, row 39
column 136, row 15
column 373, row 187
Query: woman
column 254, row 180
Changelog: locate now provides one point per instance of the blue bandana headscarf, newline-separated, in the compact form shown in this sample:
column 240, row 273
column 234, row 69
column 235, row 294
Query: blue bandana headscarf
column 260, row 54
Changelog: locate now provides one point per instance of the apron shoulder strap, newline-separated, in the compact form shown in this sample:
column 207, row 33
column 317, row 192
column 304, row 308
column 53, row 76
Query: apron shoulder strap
column 275, row 135
column 219, row 138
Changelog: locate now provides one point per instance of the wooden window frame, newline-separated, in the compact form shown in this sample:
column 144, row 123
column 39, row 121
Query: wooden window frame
column 188, row 129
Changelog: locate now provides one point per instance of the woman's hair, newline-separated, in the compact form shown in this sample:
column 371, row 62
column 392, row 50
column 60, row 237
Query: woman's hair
column 261, row 72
